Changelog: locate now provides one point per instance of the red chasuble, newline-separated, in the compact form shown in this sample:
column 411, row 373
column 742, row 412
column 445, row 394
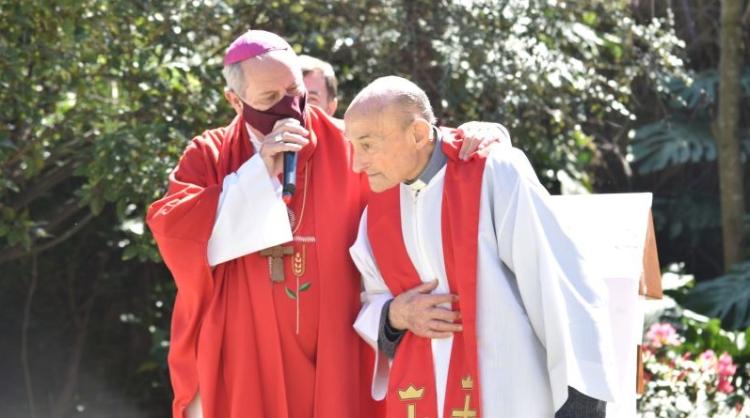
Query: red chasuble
column 411, row 384
column 254, row 348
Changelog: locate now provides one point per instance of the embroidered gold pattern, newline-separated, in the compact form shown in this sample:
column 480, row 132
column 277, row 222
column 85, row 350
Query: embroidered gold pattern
column 467, row 384
column 411, row 393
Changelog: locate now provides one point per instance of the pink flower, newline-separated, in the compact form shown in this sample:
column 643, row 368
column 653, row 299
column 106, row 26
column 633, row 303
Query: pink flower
column 725, row 367
column 708, row 357
column 662, row 335
column 725, row 386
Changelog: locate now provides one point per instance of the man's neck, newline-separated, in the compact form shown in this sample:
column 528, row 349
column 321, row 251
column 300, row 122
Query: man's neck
column 431, row 160
column 253, row 135
column 424, row 158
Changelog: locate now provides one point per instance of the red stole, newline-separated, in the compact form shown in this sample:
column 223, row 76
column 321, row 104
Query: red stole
column 225, row 338
column 411, row 385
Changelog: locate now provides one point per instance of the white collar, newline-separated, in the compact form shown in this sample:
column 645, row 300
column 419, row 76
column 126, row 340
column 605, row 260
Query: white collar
column 253, row 139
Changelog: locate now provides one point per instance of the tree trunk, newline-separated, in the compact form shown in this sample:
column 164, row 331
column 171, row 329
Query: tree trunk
column 728, row 143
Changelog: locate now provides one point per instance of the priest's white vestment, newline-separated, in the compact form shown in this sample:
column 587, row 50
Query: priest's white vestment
column 542, row 316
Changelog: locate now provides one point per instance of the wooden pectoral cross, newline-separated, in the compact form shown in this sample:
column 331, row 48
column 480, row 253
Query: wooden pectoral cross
column 276, row 259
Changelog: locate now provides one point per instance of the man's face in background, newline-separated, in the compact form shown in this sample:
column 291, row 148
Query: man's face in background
column 317, row 92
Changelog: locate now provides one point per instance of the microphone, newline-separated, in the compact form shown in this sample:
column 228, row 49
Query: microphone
column 290, row 176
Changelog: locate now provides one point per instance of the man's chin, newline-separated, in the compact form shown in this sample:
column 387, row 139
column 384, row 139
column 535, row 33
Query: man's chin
column 377, row 187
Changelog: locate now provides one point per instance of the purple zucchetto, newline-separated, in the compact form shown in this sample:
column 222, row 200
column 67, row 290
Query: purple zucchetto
column 253, row 43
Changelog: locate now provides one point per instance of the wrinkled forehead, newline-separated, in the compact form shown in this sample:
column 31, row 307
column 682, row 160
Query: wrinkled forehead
column 316, row 80
column 372, row 119
column 357, row 127
column 275, row 69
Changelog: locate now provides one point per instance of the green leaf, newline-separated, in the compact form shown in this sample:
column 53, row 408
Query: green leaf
column 147, row 366
column 726, row 297
column 589, row 18
column 290, row 293
column 130, row 252
column 675, row 141
column 304, row 286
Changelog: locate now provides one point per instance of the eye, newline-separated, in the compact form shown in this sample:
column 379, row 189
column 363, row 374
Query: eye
column 270, row 100
column 294, row 91
column 365, row 147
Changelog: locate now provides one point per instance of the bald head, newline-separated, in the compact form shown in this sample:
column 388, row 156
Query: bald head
column 397, row 96
column 390, row 125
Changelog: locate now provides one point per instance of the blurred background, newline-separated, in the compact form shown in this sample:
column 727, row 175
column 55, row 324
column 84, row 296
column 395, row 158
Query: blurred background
column 99, row 98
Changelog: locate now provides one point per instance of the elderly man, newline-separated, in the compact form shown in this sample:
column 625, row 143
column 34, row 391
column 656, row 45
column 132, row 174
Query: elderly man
column 261, row 329
column 469, row 279
column 321, row 84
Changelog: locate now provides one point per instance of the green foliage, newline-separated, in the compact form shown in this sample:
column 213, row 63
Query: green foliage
column 709, row 335
column 100, row 97
column 702, row 370
column 675, row 153
column 726, row 297
column 684, row 136
column 673, row 141
column 88, row 106
column 560, row 78
column 98, row 108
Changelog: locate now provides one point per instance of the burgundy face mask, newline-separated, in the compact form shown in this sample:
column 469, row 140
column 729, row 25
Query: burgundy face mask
column 288, row 107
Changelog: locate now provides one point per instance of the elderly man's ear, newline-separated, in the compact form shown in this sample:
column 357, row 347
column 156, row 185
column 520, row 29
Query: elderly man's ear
column 234, row 100
column 422, row 131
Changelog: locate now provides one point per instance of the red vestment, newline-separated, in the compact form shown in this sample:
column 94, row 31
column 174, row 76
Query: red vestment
column 234, row 333
column 411, row 383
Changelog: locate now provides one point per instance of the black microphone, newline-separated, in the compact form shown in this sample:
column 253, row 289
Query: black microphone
column 290, row 176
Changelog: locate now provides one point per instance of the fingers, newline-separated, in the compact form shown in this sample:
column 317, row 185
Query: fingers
column 271, row 149
column 445, row 315
column 435, row 334
column 434, row 322
column 419, row 311
column 292, row 129
column 285, row 132
column 442, row 326
column 480, row 136
column 281, row 142
column 289, row 137
column 437, row 329
column 426, row 287
column 428, row 301
column 468, row 147
column 289, row 125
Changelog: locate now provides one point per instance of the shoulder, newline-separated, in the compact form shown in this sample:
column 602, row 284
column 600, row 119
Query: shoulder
column 324, row 124
column 508, row 169
column 208, row 144
column 210, row 141
column 330, row 137
column 322, row 119
column 201, row 156
column 509, row 164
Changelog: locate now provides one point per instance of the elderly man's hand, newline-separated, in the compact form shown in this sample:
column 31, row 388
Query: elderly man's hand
column 287, row 135
column 418, row 311
column 479, row 136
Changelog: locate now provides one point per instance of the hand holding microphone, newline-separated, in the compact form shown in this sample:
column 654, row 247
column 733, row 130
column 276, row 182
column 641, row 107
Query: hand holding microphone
column 279, row 151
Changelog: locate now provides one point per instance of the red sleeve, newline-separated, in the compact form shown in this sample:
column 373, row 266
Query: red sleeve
column 183, row 219
column 181, row 223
